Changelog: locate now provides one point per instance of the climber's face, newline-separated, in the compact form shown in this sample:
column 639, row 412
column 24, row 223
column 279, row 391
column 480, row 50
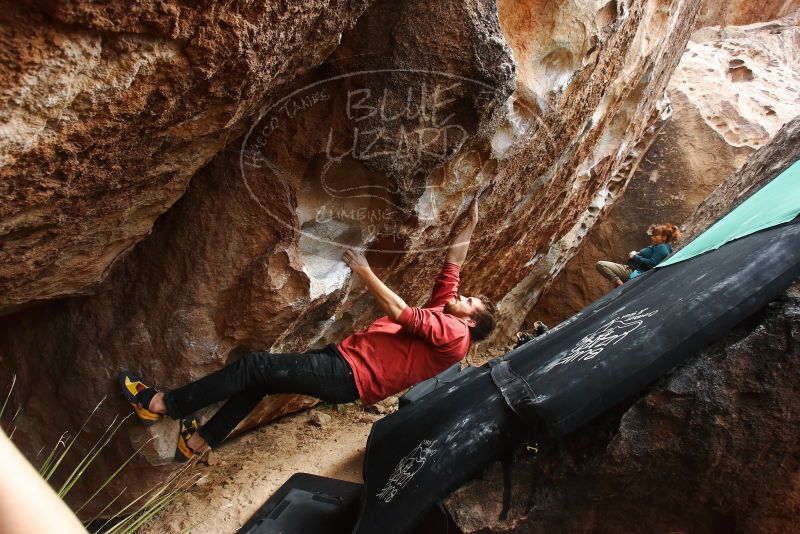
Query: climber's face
column 464, row 307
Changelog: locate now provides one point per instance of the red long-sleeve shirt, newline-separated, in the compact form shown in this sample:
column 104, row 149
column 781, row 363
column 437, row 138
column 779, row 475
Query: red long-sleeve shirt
column 390, row 356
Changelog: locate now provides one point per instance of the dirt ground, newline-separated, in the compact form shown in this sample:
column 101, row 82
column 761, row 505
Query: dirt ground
column 246, row 470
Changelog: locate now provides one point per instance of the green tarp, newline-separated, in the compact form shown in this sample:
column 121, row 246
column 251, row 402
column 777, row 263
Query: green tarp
column 776, row 203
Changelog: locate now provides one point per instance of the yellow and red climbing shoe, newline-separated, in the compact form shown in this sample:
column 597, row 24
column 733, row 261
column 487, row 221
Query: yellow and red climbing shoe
column 188, row 427
column 137, row 392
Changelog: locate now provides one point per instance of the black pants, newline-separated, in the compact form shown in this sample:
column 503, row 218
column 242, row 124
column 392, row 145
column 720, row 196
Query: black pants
column 324, row 374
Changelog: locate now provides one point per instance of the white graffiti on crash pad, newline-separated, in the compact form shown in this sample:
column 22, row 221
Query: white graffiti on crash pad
column 609, row 334
column 406, row 469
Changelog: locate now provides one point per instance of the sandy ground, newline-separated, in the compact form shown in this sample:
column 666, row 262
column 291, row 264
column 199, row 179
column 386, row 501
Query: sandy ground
column 246, row 470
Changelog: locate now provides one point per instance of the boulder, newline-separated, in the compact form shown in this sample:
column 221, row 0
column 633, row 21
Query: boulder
column 108, row 109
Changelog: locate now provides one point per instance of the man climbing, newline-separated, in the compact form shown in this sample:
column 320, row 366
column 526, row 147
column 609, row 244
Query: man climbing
column 405, row 346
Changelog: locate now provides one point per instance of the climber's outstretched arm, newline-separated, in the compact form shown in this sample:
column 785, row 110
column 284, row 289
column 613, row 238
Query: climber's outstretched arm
column 457, row 250
column 391, row 303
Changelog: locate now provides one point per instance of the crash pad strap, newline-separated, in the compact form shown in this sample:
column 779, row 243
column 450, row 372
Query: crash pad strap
column 515, row 390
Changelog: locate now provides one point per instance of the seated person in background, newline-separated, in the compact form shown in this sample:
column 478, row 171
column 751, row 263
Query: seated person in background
column 406, row 346
column 662, row 236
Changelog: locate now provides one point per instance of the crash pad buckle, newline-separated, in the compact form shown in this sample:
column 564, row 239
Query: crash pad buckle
column 516, row 392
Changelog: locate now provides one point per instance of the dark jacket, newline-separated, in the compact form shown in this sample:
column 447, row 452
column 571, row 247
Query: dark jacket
column 649, row 257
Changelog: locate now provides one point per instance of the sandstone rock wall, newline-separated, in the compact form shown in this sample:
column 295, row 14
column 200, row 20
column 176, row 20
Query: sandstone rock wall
column 738, row 12
column 545, row 108
column 107, row 110
column 732, row 91
column 713, row 447
column 547, row 225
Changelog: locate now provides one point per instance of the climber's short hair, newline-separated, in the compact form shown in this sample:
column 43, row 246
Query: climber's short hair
column 484, row 320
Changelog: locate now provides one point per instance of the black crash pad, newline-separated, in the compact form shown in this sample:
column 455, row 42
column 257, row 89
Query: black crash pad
column 307, row 504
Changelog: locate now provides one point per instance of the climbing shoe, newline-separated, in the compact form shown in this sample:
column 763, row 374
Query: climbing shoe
column 137, row 392
column 188, row 427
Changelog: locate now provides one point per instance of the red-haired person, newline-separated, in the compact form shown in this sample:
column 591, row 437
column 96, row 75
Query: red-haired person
column 662, row 237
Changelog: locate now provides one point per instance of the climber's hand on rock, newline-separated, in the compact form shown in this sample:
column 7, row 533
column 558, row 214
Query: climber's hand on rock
column 356, row 261
column 632, row 253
